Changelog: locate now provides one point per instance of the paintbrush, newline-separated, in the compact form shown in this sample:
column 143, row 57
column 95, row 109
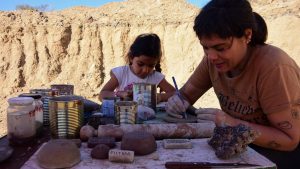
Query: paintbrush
column 180, row 96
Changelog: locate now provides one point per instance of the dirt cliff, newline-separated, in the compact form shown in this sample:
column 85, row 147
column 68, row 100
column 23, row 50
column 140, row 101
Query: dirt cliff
column 80, row 45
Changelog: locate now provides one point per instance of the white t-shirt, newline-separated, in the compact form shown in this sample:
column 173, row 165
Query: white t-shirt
column 126, row 77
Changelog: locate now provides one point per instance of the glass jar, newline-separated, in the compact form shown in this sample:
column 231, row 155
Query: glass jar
column 47, row 94
column 38, row 110
column 20, row 120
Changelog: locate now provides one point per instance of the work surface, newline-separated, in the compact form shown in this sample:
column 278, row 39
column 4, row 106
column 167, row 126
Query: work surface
column 201, row 152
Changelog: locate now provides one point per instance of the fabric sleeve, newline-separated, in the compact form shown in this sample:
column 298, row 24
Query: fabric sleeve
column 201, row 78
column 198, row 83
column 279, row 89
column 158, row 77
column 117, row 71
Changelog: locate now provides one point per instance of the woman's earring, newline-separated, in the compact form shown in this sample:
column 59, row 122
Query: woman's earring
column 248, row 41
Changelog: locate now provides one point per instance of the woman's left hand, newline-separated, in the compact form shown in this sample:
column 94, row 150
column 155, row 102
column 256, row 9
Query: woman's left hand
column 216, row 115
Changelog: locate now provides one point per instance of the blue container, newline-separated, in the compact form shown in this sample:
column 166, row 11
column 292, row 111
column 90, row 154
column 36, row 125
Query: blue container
column 108, row 106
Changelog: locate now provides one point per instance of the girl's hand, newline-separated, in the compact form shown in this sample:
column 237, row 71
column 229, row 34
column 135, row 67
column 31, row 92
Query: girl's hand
column 216, row 115
column 158, row 97
column 124, row 95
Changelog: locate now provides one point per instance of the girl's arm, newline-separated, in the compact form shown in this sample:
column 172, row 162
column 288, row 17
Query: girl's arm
column 109, row 87
column 167, row 90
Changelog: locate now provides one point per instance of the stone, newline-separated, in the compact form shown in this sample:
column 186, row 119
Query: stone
column 58, row 153
column 77, row 142
column 142, row 143
column 100, row 151
column 107, row 140
column 230, row 141
column 177, row 144
column 5, row 152
column 190, row 119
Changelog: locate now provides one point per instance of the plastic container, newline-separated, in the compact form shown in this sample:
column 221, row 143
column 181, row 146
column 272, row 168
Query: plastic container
column 38, row 109
column 108, row 106
column 21, row 127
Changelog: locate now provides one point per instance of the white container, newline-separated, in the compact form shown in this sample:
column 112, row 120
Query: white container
column 47, row 94
column 145, row 94
column 38, row 109
column 126, row 112
column 21, row 127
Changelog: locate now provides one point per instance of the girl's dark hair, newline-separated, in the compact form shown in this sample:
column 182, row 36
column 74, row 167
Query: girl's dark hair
column 230, row 18
column 147, row 45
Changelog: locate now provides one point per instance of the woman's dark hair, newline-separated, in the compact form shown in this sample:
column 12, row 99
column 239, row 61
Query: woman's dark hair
column 147, row 45
column 230, row 18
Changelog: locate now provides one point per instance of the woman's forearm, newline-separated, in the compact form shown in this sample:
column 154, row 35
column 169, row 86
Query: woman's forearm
column 271, row 137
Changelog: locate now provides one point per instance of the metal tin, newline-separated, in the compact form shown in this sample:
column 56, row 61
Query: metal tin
column 46, row 95
column 108, row 106
column 66, row 116
column 63, row 89
column 126, row 112
column 145, row 94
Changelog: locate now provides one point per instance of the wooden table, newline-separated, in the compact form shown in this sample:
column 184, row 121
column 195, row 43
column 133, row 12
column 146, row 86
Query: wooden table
column 25, row 156
column 22, row 153
column 201, row 152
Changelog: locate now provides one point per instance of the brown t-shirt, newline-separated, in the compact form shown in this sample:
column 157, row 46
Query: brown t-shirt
column 269, row 83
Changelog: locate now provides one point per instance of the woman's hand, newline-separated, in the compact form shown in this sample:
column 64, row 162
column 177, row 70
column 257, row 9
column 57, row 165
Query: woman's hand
column 175, row 106
column 216, row 115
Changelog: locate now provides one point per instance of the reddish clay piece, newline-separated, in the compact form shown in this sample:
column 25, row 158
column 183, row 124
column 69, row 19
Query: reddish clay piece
column 109, row 141
column 100, row 151
column 141, row 143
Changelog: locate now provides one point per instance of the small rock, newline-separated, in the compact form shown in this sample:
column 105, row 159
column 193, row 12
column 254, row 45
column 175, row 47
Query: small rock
column 100, row 151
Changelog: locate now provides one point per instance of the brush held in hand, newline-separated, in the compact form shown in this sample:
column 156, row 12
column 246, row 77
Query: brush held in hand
column 180, row 96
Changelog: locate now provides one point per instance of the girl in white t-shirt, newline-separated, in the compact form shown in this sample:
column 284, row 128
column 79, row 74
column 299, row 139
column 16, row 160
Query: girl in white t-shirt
column 144, row 67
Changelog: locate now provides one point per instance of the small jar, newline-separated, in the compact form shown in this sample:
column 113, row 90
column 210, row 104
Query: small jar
column 47, row 94
column 20, row 120
column 38, row 110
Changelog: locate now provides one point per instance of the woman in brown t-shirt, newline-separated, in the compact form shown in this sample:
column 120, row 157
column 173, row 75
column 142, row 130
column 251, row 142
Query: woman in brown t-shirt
column 257, row 84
